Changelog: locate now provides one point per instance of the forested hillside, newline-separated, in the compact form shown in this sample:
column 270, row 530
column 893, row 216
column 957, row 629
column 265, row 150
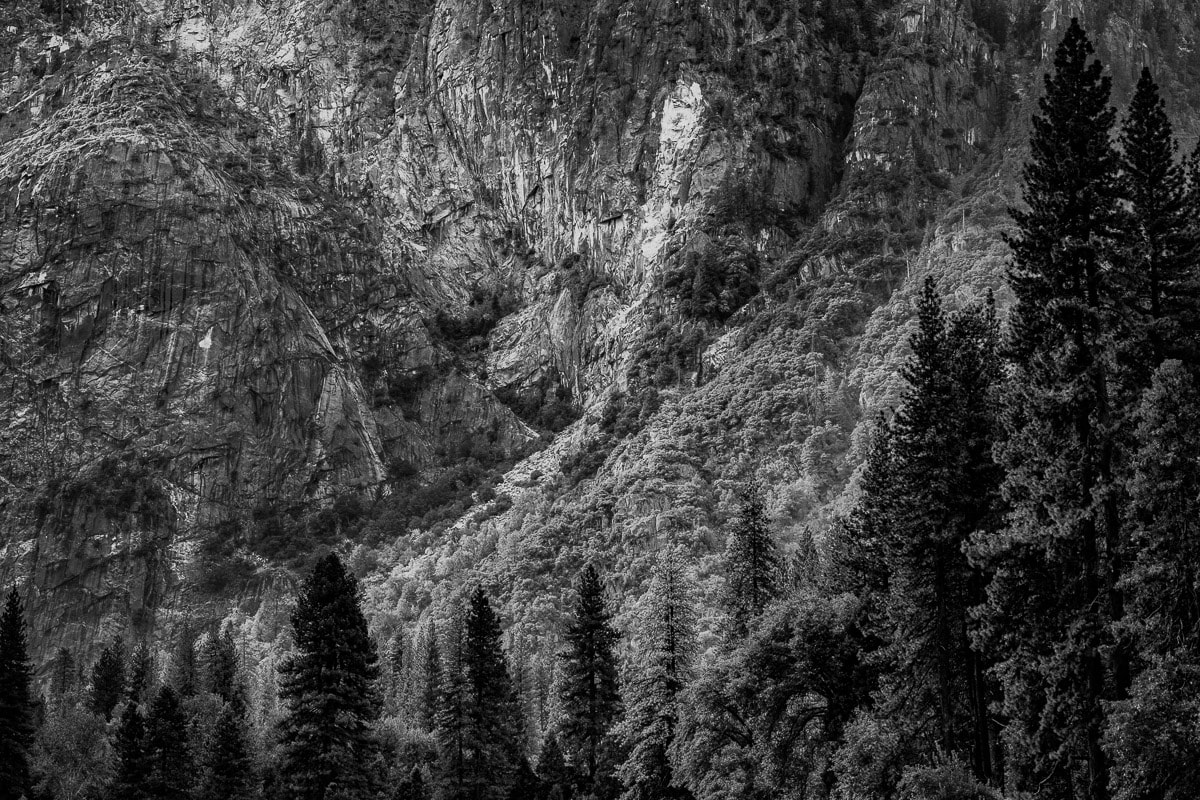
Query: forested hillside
column 600, row 399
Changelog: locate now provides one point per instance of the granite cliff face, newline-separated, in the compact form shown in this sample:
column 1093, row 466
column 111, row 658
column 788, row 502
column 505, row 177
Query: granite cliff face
column 485, row 287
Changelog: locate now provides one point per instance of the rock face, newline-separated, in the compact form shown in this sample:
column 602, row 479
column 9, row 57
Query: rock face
column 270, row 271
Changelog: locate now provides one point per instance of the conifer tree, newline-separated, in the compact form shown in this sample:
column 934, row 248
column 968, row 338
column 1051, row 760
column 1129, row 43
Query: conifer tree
column 450, row 720
column 16, row 711
column 753, row 562
column 218, row 666
column 1160, row 240
column 63, row 676
column 226, row 768
column 432, row 680
column 943, row 489
column 1054, row 595
column 663, row 661
column 329, row 690
column 141, row 668
column 133, row 764
column 413, row 787
column 553, row 774
column 168, row 759
column 396, row 665
column 861, row 565
column 108, row 679
column 526, row 785
column 183, row 675
column 1154, row 736
column 589, row 694
column 479, row 730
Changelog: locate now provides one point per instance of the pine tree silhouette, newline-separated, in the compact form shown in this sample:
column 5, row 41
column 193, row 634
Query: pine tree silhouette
column 168, row 757
column 752, row 561
column 479, row 725
column 1055, row 592
column 16, row 711
column 328, row 688
column 108, row 679
column 590, row 694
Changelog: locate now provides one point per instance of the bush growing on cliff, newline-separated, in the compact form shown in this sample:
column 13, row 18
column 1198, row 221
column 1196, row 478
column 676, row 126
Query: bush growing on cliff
column 545, row 405
column 467, row 332
column 714, row 283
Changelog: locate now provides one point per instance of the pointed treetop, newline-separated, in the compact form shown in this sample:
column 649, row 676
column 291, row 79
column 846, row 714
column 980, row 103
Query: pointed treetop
column 108, row 679
column 13, row 643
column 16, row 717
column 1149, row 146
column 1075, row 120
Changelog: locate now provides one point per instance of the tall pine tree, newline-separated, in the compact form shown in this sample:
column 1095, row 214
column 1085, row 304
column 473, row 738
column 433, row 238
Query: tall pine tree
column 168, row 758
column 183, row 670
column 329, row 690
column 1054, row 594
column 108, row 679
column 141, row 669
column 590, row 695
column 1160, row 241
column 16, row 712
column 64, row 677
column 217, row 666
column 1154, row 736
column 943, row 488
column 664, row 654
column 396, row 669
column 412, row 788
column 557, row 781
column 752, row 560
column 226, row 768
column 479, row 726
column 133, row 764
column 431, row 684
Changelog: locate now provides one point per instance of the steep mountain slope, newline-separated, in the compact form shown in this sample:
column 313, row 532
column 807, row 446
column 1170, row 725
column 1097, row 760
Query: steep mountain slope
column 484, row 288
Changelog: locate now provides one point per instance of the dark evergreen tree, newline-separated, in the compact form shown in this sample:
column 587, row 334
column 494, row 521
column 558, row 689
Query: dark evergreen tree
column 556, row 779
column 1154, row 736
column 590, row 694
column 526, row 785
column 1055, row 592
column 141, row 669
column 328, row 687
column 432, row 685
column 218, row 666
column 860, row 561
column 396, row 666
column 753, row 563
column 16, row 710
column 108, row 679
column 480, row 729
column 450, row 721
column 64, row 676
column 168, row 759
column 944, row 489
column 1160, row 242
column 665, row 649
column 133, row 764
column 183, row 676
column 413, row 787
column 226, row 767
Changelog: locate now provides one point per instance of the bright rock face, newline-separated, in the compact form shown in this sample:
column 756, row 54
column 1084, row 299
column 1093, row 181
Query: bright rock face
column 269, row 268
